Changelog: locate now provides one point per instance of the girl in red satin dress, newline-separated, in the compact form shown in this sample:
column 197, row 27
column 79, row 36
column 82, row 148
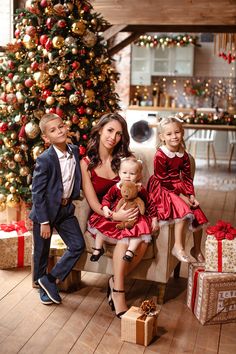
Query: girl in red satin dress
column 171, row 192
column 105, row 229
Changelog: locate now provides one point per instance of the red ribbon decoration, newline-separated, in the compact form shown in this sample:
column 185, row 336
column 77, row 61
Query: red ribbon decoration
column 219, row 251
column 222, row 230
column 20, row 228
column 194, row 290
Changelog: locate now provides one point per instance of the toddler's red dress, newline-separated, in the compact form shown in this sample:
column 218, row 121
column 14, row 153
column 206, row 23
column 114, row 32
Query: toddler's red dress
column 108, row 191
column 172, row 177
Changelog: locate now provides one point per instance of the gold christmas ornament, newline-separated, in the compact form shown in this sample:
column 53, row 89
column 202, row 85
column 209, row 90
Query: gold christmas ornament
column 41, row 78
column 10, row 109
column 12, row 200
column 18, row 157
column 69, row 6
column 62, row 100
column 19, row 55
column 2, row 206
column 7, row 185
column 13, row 135
column 74, row 99
column 89, row 96
column 31, row 55
column 89, row 39
column 74, row 51
column 94, row 22
column 62, row 75
column 37, row 150
column 58, row 42
column 78, row 27
column 68, row 123
column 52, row 71
column 59, row 10
column 50, row 100
column 11, row 165
column 24, row 147
column 91, row 54
column 24, row 171
column 30, row 42
column 19, row 87
column 32, row 130
column 2, row 198
column 20, row 98
column 12, row 190
column 89, row 110
column 38, row 113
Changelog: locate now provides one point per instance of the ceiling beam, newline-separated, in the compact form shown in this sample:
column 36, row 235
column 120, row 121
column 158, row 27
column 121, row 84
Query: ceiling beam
column 112, row 31
column 130, row 39
column 181, row 28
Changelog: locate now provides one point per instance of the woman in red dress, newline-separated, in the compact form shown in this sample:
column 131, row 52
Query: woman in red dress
column 171, row 192
column 108, row 143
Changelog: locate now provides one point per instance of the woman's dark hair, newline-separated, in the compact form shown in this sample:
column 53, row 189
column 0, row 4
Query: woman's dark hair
column 120, row 150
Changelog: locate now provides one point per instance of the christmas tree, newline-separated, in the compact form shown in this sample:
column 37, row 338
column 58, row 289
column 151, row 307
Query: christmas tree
column 57, row 63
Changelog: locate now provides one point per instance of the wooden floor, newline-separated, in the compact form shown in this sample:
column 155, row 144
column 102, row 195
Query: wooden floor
column 83, row 323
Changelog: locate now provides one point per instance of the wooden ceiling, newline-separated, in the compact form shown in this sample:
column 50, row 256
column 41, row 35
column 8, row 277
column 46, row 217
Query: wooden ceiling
column 170, row 15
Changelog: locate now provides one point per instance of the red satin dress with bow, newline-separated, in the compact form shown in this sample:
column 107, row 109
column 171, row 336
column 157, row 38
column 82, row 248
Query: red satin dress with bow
column 172, row 177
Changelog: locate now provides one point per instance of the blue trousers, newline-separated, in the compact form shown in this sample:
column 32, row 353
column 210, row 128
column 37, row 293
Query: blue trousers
column 68, row 228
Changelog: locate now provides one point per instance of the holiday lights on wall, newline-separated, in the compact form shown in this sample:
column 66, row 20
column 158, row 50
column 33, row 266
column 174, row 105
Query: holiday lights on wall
column 166, row 41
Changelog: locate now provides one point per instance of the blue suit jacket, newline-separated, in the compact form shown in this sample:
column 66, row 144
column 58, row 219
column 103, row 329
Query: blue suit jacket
column 47, row 187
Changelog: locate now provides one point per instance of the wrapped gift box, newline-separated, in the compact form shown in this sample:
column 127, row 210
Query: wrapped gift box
column 211, row 296
column 137, row 327
column 15, row 245
column 220, row 255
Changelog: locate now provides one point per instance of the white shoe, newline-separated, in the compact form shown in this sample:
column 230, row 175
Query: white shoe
column 180, row 254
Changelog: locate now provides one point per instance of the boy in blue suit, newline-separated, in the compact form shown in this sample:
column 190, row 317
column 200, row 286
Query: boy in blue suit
column 56, row 183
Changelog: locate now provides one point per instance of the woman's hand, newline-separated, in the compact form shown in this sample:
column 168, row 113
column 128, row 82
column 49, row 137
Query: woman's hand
column 45, row 231
column 125, row 215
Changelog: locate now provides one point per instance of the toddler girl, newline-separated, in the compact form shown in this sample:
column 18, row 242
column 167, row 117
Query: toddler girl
column 105, row 229
column 171, row 192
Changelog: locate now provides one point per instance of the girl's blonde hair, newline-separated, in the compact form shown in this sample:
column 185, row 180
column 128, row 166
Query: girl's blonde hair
column 167, row 120
column 133, row 159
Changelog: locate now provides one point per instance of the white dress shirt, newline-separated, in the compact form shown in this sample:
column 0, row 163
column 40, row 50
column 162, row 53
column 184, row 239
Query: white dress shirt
column 67, row 164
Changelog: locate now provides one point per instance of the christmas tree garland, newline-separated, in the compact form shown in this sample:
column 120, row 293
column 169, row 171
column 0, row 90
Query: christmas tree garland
column 166, row 41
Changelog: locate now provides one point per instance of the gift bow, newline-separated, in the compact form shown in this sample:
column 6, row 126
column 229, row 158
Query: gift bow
column 18, row 226
column 222, row 230
column 148, row 308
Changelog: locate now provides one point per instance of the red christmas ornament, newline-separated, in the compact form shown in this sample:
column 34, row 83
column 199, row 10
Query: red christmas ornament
column 75, row 65
column 48, row 44
column 52, row 110
column 43, row 3
column 17, row 33
column 68, row 86
column 3, row 127
column 46, row 93
column 85, row 137
column 43, row 39
column 29, row 82
column 75, row 119
column 22, row 134
column 11, row 64
column 10, row 75
column 34, row 66
column 59, row 112
column 50, row 22
column 81, row 110
column 82, row 150
column 61, row 23
column 88, row 83
column 30, row 30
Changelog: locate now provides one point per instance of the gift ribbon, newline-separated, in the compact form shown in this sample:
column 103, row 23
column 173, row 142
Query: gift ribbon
column 194, row 290
column 227, row 303
column 20, row 228
column 219, row 251
column 140, row 328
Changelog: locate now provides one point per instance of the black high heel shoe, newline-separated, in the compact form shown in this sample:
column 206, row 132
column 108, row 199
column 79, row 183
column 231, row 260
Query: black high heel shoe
column 109, row 290
column 127, row 257
column 112, row 305
column 95, row 257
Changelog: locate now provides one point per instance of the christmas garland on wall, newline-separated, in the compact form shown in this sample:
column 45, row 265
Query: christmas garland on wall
column 166, row 41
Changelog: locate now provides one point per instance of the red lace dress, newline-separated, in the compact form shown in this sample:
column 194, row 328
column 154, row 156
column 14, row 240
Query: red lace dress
column 172, row 177
column 108, row 192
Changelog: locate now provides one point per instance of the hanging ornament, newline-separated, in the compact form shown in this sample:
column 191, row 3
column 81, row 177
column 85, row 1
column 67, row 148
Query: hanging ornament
column 32, row 130
column 41, row 78
column 30, row 42
column 24, row 171
column 37, row 150
column 12, row 200
column 78, row 27
column 89, row 39
column 58, row 42
column 70, row 41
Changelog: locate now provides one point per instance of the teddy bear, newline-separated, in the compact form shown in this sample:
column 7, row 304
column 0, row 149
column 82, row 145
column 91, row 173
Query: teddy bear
column 129, row 192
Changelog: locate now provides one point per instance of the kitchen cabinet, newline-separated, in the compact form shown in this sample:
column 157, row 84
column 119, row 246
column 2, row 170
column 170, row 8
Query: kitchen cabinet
column 147, row 62
column 141, row 66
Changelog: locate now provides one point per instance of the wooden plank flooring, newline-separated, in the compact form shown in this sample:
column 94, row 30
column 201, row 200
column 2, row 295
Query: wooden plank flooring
column 84, row 324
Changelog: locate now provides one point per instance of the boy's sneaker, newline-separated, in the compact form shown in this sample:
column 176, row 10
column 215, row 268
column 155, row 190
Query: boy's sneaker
column 50, row 289
column 44, row 297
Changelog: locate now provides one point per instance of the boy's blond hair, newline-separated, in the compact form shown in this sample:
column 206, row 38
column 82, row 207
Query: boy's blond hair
column 48, row 117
